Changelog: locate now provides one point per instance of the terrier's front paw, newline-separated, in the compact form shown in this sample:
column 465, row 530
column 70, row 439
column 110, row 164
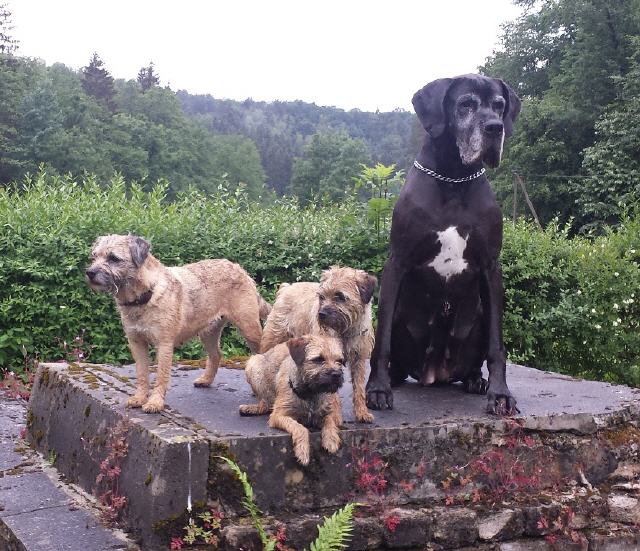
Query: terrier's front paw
column 364, row 416
column 153, row 404
column 331, row 441
column 301, row 450
column 202, row 381
column 136, row 401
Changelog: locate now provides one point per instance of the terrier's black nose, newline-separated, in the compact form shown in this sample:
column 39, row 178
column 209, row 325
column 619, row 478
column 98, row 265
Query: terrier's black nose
column 91, row 273
column 493, row 128
column 322, row 315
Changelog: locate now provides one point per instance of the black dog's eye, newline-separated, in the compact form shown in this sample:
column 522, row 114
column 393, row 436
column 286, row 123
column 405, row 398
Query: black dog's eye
column 498, row 106
column 113, row 258
column 340, row 297
column 467, row 104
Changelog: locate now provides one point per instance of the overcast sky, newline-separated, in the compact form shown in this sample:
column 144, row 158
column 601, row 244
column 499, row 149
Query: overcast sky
column 367, row 54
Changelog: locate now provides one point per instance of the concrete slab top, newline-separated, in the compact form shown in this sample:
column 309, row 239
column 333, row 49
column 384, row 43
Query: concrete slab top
column 540, row 395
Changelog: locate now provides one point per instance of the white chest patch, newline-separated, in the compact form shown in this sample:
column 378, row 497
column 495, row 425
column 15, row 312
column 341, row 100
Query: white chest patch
column 449, row 260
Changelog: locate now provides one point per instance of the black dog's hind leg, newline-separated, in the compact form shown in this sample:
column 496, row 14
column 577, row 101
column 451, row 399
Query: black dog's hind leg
column 404, row 355
column 470, row 356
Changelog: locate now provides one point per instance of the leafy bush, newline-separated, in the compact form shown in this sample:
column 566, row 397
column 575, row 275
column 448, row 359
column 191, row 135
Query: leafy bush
column 570, row 303
column 48, row 225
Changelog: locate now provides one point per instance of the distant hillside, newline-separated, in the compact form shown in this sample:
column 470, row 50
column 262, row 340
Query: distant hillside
column 84, row 121
column 281, row 129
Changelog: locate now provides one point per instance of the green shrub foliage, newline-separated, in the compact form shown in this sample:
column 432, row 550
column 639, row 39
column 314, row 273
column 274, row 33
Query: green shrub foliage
column 571, row 304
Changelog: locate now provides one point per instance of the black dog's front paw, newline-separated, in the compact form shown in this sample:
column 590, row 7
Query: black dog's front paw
column 476, row 386
column 502, row 403
column 379, row 395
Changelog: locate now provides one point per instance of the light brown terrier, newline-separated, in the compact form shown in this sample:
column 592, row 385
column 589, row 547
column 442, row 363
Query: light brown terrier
column 340, row 306
column 166, row 306
column 297, row 382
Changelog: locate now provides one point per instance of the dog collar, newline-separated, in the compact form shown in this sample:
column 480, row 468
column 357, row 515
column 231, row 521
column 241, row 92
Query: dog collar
column 293, row 388
column 301, row 395
column 446, row 178
column 140, row 300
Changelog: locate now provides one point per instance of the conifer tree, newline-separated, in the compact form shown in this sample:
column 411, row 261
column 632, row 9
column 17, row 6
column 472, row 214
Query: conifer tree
column 97, row 82
column 147, row 77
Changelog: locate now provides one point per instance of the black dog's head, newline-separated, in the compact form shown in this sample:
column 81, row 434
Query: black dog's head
column 477, row 111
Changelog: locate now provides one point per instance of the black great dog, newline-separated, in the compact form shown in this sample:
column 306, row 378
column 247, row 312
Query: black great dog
column 441, row 299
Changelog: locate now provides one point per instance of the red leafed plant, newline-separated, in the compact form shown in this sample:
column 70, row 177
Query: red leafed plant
column 107, row 481
column 516, row 466
column 370, row 472
column 560, row 528
column 391, row 522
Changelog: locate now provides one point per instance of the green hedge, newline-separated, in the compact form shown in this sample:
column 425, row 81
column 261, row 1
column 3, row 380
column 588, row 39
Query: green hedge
column 563, row 303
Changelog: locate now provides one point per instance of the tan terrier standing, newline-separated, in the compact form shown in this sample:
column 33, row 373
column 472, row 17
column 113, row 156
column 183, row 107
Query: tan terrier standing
column 297, row 382
column 166, row 306
column 340, row 305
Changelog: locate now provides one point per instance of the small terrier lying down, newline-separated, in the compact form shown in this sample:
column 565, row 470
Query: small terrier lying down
column 297, row 381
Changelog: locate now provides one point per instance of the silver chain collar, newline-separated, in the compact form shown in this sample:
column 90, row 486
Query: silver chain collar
column 446, row 178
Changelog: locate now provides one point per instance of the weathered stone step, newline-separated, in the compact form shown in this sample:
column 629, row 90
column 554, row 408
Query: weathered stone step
column 437, row 447
column 35, row 514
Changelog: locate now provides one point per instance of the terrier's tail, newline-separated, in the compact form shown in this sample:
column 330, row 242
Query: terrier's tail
column 265, row 308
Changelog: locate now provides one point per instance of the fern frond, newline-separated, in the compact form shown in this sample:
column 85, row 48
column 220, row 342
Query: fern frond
column 268, row 542
column 335, row 531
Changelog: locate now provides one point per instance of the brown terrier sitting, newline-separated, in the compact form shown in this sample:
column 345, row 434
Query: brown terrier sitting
column 297, row 382
column 165, row 307
column 340, row 305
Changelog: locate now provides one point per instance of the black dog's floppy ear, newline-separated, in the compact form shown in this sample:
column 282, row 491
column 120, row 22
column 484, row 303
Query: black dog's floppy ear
column 429, row 105
column 297, row 349
column 366, row 286
column 139, row 249
column 512, row 108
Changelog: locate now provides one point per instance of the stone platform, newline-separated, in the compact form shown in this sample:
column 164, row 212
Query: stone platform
column 436, row 471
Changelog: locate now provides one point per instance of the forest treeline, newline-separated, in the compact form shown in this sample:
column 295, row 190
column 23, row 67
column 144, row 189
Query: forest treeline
column 85, row 121
column 575, row 63
column 281, row 130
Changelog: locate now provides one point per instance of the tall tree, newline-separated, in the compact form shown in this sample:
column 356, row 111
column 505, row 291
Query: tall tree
column 563, row 57
column 612, row 163
column 327, row 171
column 8, row 44
column 147, row 77
column 17, row 75
column 97, row 82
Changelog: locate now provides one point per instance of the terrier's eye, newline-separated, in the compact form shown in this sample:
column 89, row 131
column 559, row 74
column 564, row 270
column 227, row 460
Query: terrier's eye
column 318, row 360
column 113, row 258
column 320, row 298
column 341, row 361
column 340, row 297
